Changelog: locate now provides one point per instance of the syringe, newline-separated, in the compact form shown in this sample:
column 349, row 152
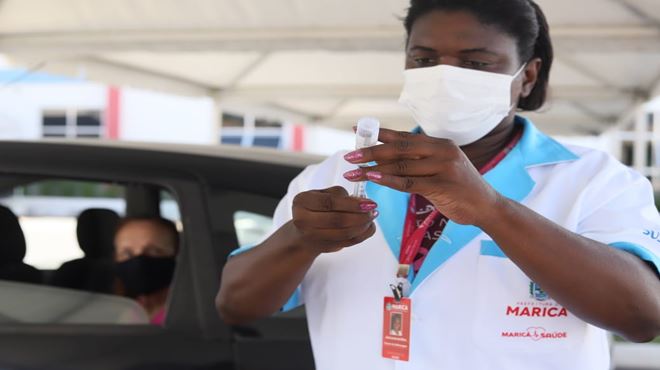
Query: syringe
column 366, row 135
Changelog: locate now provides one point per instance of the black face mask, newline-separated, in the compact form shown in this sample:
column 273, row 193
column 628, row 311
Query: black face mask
column 145, row 275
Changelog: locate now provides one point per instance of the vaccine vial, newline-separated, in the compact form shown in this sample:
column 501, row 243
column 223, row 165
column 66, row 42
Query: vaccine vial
column 366, row 135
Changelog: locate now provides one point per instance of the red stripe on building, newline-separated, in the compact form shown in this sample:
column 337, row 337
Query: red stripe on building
column 113, row 113
column 298, row 138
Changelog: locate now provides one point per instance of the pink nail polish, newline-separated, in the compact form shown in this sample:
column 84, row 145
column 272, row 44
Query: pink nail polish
column 351, row 175
column 375, row 214
column 375, row 176
column 354, row 156
column 368, row 206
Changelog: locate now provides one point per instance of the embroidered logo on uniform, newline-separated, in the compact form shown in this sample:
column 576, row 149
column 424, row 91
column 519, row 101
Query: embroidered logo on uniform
column 535, row 333
column 527, row 311
column 655, row 235
column 537, row 293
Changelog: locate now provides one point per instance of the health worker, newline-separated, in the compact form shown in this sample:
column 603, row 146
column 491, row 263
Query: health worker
column 496, row 246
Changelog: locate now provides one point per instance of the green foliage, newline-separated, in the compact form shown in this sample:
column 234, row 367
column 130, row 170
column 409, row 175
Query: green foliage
column 64, row 188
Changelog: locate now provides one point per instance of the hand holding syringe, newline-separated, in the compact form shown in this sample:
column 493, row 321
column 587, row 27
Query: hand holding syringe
column 366, row 135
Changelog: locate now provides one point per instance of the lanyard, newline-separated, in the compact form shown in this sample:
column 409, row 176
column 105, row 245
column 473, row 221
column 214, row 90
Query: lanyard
column 413, row 236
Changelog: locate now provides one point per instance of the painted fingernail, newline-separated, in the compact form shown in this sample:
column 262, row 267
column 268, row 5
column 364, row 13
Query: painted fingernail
column 375, row 214
column 368, row 206
column 354, row 156
column 352, row 175
column 374, row 176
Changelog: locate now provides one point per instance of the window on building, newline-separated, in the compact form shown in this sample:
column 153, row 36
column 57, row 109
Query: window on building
column 650, row 157
column 232, row 120
column 54, row 124
column 267, row 123
column 88, row 125
column 627, row 153
column 267, row 141
column 231, row 140
column 249, row 131
column 72, row 124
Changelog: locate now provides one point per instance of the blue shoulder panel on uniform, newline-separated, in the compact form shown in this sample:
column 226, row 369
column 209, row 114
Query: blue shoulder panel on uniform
column 537, row 147
column 490, row 248
column 241, row 250
column 640, row 252
column 540, row 149
column 392, row 205
column 293, row 302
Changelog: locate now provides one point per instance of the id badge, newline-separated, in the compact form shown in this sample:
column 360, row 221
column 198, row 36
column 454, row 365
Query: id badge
column 396, row 328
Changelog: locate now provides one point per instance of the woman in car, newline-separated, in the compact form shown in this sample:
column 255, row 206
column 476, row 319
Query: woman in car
column 145, row 256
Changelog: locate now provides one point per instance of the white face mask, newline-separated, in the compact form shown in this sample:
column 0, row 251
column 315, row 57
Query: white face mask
column 460, row 104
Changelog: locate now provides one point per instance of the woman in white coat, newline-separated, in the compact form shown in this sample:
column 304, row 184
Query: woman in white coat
column 519, row 252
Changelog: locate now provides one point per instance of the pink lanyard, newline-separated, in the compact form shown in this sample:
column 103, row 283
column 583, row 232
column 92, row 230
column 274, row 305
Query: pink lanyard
column 413, row 236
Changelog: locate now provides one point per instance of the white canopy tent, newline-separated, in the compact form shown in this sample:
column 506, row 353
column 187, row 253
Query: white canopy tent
column 325, row 62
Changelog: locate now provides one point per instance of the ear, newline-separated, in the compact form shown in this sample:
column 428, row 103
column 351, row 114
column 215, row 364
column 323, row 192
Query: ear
column 530, row 75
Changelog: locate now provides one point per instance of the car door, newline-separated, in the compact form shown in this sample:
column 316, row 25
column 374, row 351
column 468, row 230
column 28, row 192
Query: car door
column 242, row 218
column 193, row 337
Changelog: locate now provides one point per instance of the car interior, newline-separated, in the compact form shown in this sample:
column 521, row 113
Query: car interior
column 34, row 287
column 93, row 272
column 12, row 251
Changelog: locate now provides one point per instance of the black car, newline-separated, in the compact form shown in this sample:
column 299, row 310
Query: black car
column 43, row 326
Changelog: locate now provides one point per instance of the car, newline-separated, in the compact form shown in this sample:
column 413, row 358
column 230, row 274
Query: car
column 48, row 327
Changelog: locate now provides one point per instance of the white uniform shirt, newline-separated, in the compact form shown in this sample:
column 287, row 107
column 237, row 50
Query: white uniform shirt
column 472, row 308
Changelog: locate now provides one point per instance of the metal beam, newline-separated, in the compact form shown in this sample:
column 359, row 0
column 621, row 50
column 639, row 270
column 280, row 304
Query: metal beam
column 639, row 13
column 96, row 69
column 588, row 72
column 30, row 70
column 595, row 115
column 246, row 71
column 654, row 87
column 130, row 68
column 249, row 39
column 386, row 38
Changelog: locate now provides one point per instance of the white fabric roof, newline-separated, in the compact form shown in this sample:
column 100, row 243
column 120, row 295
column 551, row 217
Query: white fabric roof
column 322, row 61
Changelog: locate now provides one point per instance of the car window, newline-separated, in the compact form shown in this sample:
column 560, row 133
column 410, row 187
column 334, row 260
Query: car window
column 169, row 208
column 251, row 228
column 60, row 246
column 48, row 212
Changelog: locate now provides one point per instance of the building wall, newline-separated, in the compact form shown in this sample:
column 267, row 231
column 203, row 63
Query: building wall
column 151, row 116
column 326, row 141
column 21, row 106
column 144, row 115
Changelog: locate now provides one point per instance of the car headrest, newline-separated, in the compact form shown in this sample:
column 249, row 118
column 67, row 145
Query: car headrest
column 12, row 240
column 96, row 232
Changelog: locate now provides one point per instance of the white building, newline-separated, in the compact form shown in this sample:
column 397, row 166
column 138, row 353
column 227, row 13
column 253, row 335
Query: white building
column 37, row 105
